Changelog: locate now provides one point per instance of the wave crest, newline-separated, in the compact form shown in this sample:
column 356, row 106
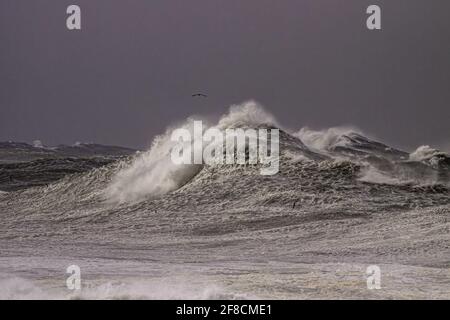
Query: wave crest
column 152, row 173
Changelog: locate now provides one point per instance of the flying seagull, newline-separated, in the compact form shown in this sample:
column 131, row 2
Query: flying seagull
column 199, row 95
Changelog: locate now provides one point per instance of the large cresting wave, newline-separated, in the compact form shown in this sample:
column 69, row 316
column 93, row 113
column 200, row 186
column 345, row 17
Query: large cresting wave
column 152, row 174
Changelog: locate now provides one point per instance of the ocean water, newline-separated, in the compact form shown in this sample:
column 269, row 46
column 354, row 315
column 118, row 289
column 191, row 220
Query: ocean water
column 140, row 227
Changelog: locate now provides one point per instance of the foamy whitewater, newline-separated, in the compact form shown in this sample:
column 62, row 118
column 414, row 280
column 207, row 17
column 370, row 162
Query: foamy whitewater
column 141, row 227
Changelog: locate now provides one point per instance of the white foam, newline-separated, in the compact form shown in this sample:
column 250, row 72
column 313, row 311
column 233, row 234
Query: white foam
column 38, row 144
column 153, row 174
column 154, row 289
column 424, row 153
column 373, row 175
column 15, row 288
column 324, row 139
column 249, row 114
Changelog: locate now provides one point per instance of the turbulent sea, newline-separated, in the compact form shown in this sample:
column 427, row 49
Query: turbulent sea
column 140, row 227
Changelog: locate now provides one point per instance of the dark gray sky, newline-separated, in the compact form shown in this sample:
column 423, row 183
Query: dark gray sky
column 131, row 70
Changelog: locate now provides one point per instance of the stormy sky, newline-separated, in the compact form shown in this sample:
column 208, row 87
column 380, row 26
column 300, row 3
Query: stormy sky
column 131, row 70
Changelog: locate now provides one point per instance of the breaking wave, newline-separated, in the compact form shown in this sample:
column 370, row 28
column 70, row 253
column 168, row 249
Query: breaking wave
column 153, row 173
column 325, row 139
column 141, row 227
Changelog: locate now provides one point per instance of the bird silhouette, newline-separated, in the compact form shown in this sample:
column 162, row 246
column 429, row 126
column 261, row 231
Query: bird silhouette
column 199, row 95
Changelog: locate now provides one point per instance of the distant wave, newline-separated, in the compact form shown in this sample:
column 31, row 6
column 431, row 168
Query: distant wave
column 426, row 153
